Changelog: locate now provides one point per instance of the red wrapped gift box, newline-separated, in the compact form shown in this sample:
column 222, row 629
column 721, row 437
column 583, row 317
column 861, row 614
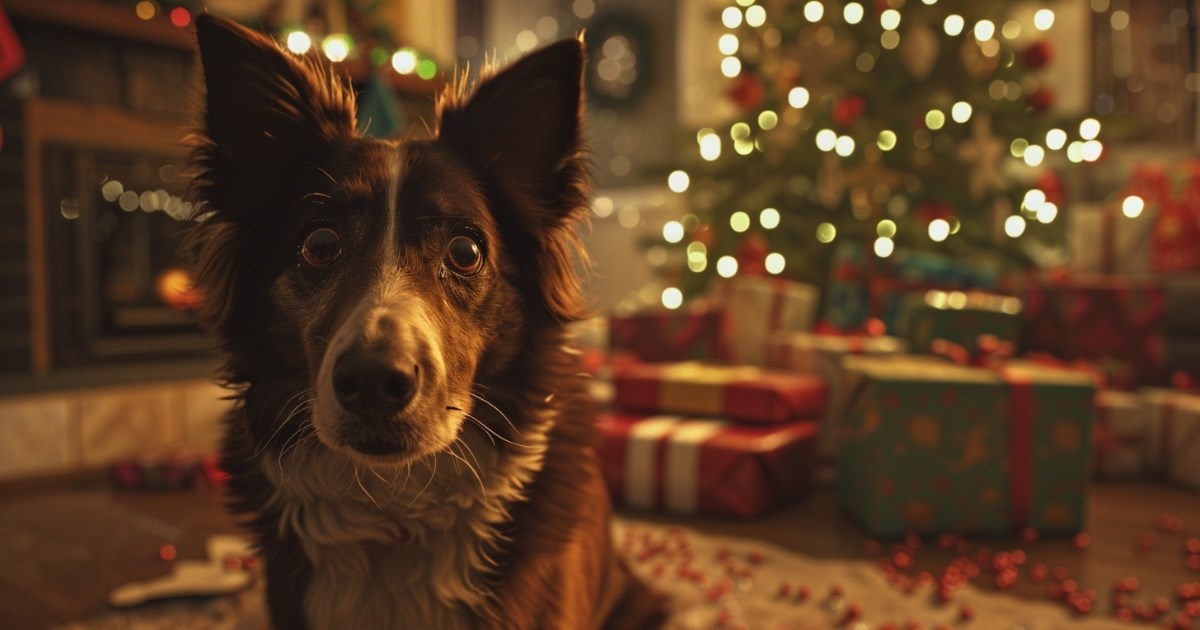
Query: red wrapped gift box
column 657, row 334
column 737, row 392
column 1113, row 321
column 702, row 466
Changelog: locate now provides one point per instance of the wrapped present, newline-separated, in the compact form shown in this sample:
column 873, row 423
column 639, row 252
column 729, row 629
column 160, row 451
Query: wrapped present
column 1173, row 442
column 704, row 466
column 738, row 392
column 1101, row 238
column 1120, row 437
column 929, row 446
column 1114, row 322
column 822, row 354
column 761, row 306
column 959, row 317
column 863, row 287
column 658, row 334
column 1175, row 242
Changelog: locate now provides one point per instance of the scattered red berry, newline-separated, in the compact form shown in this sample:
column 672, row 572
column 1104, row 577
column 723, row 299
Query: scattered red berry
column 1081, row 541
column 853, row 613
column 167, row 552
column 1038, row 572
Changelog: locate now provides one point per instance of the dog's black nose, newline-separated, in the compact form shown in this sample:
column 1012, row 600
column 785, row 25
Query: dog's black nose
column 369, row 386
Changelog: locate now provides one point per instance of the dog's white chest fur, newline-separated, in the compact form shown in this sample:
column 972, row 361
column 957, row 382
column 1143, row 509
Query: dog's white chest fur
column 403, row 548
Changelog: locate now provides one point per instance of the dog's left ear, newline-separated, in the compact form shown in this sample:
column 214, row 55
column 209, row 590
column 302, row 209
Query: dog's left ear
column 522, row 130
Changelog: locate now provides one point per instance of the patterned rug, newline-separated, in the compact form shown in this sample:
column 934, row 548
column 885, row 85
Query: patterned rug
column 719, row 583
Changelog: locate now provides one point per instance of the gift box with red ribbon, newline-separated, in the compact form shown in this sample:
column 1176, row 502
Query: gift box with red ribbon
column 1173, row 442
column 1114, row 322
column 863, row 287
column 760, row 306
column 929, row 446
column 1101, row 238
column 658, row 334
column 822, row 354
column 960, row 317
column 704, row 466
column 1120, row 436
column 739, row 392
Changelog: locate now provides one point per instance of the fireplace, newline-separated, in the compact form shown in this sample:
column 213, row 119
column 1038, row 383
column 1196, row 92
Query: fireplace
column 116, row 289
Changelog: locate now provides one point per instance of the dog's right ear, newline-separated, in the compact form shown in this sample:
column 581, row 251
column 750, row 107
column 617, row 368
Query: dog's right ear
column 268, row 114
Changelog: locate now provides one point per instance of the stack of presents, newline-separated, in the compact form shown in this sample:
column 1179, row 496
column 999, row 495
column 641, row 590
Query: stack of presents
column 942, row 395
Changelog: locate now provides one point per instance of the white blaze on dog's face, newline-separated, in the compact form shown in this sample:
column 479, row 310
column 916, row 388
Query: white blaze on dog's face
column 395, row 280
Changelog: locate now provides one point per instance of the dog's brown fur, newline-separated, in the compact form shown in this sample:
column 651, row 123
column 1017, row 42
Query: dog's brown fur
column 452, row 480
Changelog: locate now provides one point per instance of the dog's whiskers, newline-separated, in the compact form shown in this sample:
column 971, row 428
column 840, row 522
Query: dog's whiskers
column 291, row 414
column 491, row 433
column 503, row 416
column 293, row 442
column 432, row 474
column 463, row 459
column 363, row 487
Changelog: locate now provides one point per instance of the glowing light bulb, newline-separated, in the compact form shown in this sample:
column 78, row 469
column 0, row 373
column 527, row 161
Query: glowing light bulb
column 961, row 112
column 1043, row 19
column 672, row 231
column 336, row 47
column 769, row 218
column 853, row 13
column 739, row 221
column 798, row 97
column 884, row 247
column 939, row 229
column 728, row 44
column 826, row 232
column 826, row 139
column 954, row 25
column 1133, row 206
column 775, row 263
column 678, row 181
column 404, row 61
column 727, row 266
column 672, row 298
column 1014, row 226
column 298, row 42
column 814, row 11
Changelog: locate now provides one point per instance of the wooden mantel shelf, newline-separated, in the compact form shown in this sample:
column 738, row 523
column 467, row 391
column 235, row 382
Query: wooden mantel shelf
column 106, row 18
column 119, row 20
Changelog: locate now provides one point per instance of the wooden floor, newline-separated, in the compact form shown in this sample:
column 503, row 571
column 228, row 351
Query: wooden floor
column 64, row 546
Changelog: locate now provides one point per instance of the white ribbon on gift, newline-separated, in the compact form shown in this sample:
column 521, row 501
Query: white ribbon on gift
column 680, row 465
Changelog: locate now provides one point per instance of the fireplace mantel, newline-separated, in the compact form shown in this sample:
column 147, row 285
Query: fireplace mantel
column 49, row 121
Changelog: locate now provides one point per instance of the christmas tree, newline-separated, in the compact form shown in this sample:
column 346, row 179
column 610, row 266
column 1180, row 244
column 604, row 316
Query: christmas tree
column 915, row 124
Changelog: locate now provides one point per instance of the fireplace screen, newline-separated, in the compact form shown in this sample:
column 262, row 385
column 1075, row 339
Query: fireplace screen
column 118, row 291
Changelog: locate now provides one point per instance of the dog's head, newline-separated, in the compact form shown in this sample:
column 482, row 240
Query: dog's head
column 385, row 280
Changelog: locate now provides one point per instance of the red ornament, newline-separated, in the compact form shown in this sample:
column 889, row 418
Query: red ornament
column 848, row 109
column 929, row 211
column 747, row 91
column 752, row 255
column 1041, row 99
column 1037, row 54
column 1051, row 184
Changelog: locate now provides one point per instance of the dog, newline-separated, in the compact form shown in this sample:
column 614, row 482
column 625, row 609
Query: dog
column 411, row 442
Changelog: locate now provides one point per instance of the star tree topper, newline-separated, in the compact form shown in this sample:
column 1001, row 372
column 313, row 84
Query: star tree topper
column 982, row 152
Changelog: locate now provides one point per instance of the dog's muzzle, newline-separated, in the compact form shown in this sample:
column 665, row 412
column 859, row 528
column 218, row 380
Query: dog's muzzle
column 369, row 385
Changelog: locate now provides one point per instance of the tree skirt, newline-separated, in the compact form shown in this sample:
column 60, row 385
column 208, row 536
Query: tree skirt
column 715, row 582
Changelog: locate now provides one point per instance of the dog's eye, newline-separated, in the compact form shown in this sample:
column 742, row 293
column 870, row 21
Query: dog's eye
column 321, row 247
column 464, row 256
